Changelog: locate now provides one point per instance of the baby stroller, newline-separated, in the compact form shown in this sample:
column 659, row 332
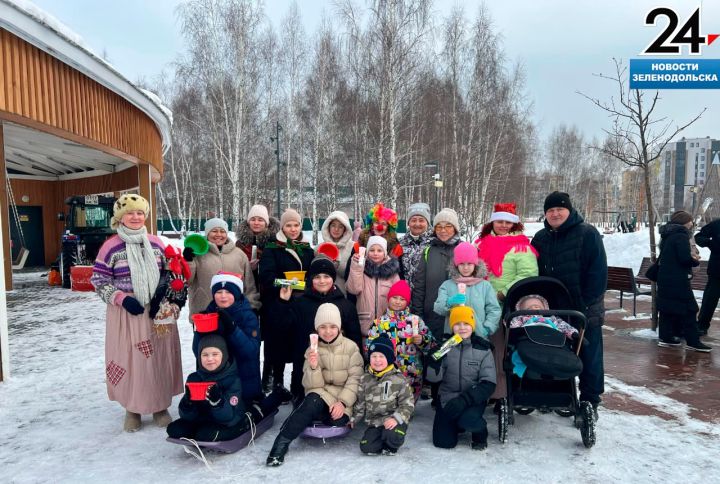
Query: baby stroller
column 552, row 363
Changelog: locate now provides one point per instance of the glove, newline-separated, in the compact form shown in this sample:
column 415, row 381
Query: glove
column 160, row 293
column 213, row 395
column 456, row 300
column 226, row 325
column 188, row 254
column 455, row 407
column 133, row 306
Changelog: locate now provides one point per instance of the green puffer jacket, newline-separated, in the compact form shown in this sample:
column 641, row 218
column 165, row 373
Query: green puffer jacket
column 379, row 398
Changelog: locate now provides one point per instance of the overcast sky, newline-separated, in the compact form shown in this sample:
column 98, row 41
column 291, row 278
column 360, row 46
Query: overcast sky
column 561, row 44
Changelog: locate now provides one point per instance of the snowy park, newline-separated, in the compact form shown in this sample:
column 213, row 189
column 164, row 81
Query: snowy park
column 57, row 424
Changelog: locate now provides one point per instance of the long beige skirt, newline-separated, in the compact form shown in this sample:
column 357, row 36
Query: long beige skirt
column 143, row 368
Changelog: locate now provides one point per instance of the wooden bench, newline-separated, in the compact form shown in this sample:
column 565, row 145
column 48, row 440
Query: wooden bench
column 698, row 281
column 622, row 279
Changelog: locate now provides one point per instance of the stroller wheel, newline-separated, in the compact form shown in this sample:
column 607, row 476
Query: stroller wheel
column 565, row 413
column 587, row 424
column 524, row 410
column 503, row 419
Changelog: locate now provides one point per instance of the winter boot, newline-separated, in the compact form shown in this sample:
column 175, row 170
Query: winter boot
column 698, row 346
column 388, row 451
column 276, row 457
column 132, row 422
column 162, row 419
column 479, row 440
column 673, row 342
column 284, row 393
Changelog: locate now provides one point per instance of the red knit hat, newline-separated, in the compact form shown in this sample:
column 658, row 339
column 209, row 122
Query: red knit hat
column 505, row 211
column 400, row 288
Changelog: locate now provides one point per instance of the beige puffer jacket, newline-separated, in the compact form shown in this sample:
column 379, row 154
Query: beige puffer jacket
column 337, row 376
column 204, row 267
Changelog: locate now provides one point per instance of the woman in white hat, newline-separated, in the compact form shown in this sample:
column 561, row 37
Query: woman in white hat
column 222, row 256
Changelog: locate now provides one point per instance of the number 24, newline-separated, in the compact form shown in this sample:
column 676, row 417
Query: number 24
column 688, row 34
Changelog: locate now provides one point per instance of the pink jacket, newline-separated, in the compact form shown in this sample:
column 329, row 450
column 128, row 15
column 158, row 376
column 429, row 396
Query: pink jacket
column 371, row 285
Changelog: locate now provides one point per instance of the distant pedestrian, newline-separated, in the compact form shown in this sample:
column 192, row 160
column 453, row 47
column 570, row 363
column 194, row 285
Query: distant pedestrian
column 709, row 236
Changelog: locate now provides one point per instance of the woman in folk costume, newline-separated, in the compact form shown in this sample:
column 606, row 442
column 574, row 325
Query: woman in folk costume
column 142, row 357
column 509, row 257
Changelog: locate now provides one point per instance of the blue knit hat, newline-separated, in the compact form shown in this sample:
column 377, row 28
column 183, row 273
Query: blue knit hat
column 382, row 344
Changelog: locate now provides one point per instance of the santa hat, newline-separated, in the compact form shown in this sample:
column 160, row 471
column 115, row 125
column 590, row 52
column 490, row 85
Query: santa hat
column 229, row 281
column 506, row 212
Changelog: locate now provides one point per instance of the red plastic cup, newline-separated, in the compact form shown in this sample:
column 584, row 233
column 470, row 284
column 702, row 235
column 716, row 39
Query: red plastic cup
column 205, row 323
column 198, row 389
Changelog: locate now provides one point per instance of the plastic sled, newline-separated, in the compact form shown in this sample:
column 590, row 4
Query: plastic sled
column 320, row 431
column 230, row 446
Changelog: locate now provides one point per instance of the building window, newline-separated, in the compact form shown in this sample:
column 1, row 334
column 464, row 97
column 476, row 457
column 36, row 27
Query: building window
column 702, row 157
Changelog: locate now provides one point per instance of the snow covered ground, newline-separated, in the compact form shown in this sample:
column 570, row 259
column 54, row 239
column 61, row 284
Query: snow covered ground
column 57, row 425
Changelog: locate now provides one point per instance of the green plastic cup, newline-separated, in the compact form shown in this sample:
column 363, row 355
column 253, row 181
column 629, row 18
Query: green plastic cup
column 198, row 243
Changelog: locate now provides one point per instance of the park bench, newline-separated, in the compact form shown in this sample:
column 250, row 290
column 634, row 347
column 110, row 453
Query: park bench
column 622, row 279
column 698, row 281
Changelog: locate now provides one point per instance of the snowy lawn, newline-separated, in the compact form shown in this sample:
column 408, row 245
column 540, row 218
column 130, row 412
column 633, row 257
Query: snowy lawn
column 57, row 425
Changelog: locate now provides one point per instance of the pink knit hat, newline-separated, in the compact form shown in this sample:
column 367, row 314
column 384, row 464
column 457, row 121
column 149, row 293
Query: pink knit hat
column 465, row 252
column 400, row 288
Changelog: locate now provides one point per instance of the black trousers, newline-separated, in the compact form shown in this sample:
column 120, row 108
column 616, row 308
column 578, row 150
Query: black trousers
column 592, row 378
column 375, row 439
column 311, row 409
column 709, row 302
column 678, row 325
column 446, row 430
column 205, row 431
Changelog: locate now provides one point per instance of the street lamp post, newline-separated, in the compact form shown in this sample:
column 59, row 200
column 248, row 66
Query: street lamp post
column 276, row 139
column 437, row 182
column 694, row 189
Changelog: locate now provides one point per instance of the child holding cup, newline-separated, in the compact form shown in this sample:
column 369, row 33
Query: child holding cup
column 212, row 408
column 467, row 286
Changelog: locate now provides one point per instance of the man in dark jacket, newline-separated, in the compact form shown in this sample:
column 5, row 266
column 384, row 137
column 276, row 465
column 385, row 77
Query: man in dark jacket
column 573, row 252
column 709, row 236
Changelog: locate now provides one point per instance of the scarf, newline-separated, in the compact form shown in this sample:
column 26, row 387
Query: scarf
column 381, row 373
column 468, row 281
column 493, row 249
column 144, row 271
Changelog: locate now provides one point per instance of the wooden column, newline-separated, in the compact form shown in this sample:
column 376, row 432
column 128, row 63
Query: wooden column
column 5, row 215
column 145, row 189
column 5, row 260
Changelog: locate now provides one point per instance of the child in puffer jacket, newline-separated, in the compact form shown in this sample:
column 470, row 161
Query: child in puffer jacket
column 468, row 269
column 397, row 324
column 331, row 375
column 239, row 326
column 384, row 400
column 221, row 414
column 467, row 379
column 372, row 281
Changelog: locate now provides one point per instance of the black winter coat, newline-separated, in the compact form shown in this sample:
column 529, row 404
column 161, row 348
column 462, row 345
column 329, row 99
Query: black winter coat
column 431, row 272
column 575, row 254
column 275, row 326
column 709, row 236
column 231, row 409
column 300, row 314
column 674, row 293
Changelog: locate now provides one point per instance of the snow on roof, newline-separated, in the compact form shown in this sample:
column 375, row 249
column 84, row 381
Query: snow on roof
column 31, row 23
